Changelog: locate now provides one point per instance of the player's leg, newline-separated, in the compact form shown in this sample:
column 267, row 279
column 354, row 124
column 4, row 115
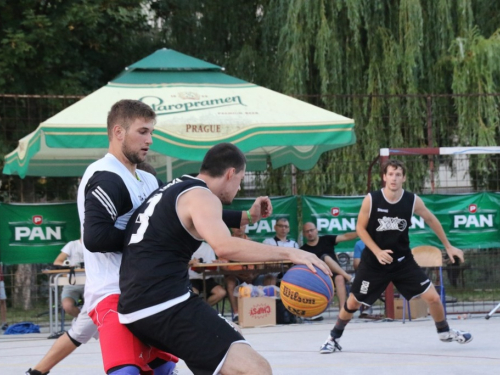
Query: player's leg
column 242, row 359
column 193, row 331
column 122, row 352
column 61, row 348
column 80, row 332
column 411, row 281
column 366, row 289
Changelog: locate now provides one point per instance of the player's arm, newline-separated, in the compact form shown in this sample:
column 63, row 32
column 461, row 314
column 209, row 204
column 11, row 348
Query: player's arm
column 60, row 259
column 201, row 213
column 432, row 221
column 346, row 237
column 106, row 198
column 261, row 208
column 383, row 256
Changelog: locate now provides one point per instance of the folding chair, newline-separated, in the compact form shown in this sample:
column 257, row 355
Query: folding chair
column 428, row 256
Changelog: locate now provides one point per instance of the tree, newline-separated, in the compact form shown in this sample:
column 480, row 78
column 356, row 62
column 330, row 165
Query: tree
column 69, row 46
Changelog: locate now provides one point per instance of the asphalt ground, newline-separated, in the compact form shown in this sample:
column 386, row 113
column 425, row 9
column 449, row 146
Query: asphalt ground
column 369, row 347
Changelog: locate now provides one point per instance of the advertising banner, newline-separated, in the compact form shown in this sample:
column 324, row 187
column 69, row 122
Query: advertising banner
column 36, row 233
column 282, row 207
column 470, row 221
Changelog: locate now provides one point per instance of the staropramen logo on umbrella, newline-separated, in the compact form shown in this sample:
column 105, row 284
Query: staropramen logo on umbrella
column 191, row 102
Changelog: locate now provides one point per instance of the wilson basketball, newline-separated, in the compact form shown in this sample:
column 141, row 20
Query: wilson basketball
column 305, row 293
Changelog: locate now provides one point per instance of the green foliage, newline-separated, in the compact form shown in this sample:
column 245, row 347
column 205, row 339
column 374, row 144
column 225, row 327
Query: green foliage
column 70, row 46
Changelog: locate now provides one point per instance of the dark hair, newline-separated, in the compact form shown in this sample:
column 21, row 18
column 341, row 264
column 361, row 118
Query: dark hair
column 395, row 164
column 126, row 111
column 145, row 166
column 221, row 157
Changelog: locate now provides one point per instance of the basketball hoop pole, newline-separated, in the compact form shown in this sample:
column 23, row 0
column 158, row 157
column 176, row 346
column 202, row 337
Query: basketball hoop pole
column 389, row 291
column 492, row 312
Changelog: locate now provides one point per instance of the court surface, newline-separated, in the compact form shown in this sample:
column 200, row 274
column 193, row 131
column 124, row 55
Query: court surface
column 369, row 347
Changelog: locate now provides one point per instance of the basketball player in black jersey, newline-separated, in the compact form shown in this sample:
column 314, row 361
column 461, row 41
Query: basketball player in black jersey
column 164, row 232
column 383, row 224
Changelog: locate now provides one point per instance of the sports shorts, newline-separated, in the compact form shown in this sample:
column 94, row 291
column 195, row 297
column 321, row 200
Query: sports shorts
column 2, row 290
column 118, row 345
column 83, row 328
column 370, row 282
column 193, row 331
column 72, row 291
column 198, row 284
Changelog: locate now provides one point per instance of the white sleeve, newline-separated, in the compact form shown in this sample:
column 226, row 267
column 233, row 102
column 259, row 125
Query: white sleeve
column 269, row 241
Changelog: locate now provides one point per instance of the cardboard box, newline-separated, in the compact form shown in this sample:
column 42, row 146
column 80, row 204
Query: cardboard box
column 417, row 306
column 256, row 311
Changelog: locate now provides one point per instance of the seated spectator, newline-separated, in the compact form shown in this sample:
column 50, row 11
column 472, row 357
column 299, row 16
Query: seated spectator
column 324, row 248
column 215, row 292
column 72, row 256
column 281, row 228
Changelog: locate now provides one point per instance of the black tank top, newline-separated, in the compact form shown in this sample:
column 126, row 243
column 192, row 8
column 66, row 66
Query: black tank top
column 389, row 224
column 154, row 266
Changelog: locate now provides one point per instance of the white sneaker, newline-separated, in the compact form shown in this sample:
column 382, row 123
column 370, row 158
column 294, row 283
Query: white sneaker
column 461, row 337
column 330, row 346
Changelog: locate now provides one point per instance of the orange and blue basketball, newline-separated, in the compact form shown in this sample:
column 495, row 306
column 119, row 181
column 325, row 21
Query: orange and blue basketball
column 305, row 293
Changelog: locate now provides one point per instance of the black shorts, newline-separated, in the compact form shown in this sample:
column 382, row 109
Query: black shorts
column 198, row 284
column 370, row 282
column 191, row 330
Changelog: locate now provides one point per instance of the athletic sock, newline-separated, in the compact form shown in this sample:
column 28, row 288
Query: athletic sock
column 339, row 327
column 442, row 326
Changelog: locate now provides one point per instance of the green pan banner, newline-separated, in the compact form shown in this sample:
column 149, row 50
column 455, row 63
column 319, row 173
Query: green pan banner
column 282, row 207
column 36, row 233
column 470, row 221
column 333, row 215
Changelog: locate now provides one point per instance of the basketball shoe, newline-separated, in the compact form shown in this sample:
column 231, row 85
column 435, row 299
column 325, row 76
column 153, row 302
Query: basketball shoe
column 35, row 372
column 330, row 346
column 461, row 337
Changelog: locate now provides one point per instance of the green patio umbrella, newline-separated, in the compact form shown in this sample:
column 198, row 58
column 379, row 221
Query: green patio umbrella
column 197, row 106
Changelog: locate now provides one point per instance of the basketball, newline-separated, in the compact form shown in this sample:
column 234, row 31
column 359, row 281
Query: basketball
column 305, row 293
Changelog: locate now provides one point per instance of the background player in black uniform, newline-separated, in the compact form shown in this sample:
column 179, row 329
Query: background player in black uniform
column 162, row 235
column 324, row 248
column 383, row 223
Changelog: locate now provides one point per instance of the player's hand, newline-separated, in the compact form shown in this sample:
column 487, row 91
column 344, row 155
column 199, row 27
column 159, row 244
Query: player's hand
column 193, row 262
column 453, row 251
column 384, row 257
column 261, row 208
column 310, row 260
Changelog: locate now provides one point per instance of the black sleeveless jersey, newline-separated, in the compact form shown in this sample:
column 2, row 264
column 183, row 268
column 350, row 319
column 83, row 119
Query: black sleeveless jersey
column 389, row 224
column 154, row 266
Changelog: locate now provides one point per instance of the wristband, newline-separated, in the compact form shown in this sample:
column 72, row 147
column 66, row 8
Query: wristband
column 249, row 218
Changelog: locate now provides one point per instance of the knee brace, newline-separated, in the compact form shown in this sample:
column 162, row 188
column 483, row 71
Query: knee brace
column 348, row 309
column 124, row 370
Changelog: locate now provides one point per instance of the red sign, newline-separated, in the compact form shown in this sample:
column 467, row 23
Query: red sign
column 472, row 208
column 260, row 311
column 335, row 211
column 37, row 219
